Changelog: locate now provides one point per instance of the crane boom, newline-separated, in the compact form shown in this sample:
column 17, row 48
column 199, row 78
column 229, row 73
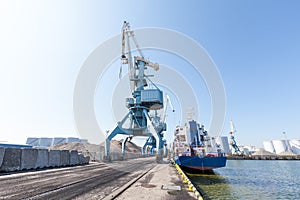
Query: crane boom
column 168, row 101
column 136, row 44
column 126, row 57
column 232, row 128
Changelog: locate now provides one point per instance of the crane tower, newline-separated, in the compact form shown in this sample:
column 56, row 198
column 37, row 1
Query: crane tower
column 138, row 121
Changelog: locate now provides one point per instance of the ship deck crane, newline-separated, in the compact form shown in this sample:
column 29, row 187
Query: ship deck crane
column 143, row 100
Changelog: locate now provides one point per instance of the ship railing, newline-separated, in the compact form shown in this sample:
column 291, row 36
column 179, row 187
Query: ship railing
column 215, row 154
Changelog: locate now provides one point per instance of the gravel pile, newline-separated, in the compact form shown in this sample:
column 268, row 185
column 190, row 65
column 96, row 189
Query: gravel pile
column 97, row 151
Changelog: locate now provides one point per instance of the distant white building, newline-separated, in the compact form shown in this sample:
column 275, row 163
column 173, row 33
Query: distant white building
column 280, row 147
column 248, row 149
column 295, row 146
column 223, row 142
column 44, row 142
column 268, row 146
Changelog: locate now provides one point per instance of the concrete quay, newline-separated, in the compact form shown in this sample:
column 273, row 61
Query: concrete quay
column 161, row 182
column 140, row 178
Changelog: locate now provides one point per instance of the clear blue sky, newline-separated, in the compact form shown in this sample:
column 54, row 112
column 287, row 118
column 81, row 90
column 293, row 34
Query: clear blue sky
column 255, row 45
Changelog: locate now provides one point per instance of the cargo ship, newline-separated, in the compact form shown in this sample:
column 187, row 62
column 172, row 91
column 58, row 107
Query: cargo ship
column 195, row 151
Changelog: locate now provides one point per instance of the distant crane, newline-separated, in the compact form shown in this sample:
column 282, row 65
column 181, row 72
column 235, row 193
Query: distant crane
column 288, row 146
column 232, row 142
column 167, row 102
column 143, row 100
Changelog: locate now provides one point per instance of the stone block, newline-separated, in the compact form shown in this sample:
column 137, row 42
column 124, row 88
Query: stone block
column 86, row 160
column 42, row 158
column 11, row 160
column 54, row 158
column 74, row 158
column 81, row 159
column 2, row 152
column 64, row 158
column 28, row 158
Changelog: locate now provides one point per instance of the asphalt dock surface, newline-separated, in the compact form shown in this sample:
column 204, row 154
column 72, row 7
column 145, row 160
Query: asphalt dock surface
column 140, row 178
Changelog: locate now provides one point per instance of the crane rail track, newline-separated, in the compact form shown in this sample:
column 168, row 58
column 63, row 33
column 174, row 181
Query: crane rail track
column 121, row 190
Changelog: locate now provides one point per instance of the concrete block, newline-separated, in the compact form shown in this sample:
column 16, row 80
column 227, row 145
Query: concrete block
column 28, row 158
column 2, row 152
column 86, row 160
column 54, row 158
column 11, row 160
column 81, row 159
column 64, row 158
column 96, row 156
column 42, row 158
column 74, row 158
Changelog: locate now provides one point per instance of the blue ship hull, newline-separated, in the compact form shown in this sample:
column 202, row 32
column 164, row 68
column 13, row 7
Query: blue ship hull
column 195, row 163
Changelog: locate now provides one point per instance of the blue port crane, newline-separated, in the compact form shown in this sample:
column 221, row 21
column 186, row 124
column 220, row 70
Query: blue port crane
column 138, row 121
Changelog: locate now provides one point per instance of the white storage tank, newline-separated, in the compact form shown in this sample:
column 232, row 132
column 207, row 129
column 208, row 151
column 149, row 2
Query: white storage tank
column 249, row 149
column 45, row 142
column 58, row 140
column 72, row 139
column 279, row 146
column 268, row 146
column 84, row 140
column 33, row 141
column 223, row 142
column 295, row 146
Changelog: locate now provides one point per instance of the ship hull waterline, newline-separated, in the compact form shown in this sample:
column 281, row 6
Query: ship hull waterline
column 200, row 164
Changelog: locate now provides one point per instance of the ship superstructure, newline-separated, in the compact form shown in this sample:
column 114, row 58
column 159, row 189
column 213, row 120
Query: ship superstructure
column 195, row 150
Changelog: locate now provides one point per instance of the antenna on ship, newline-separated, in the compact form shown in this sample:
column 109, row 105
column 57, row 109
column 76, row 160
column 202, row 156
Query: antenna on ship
column 190, row 113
